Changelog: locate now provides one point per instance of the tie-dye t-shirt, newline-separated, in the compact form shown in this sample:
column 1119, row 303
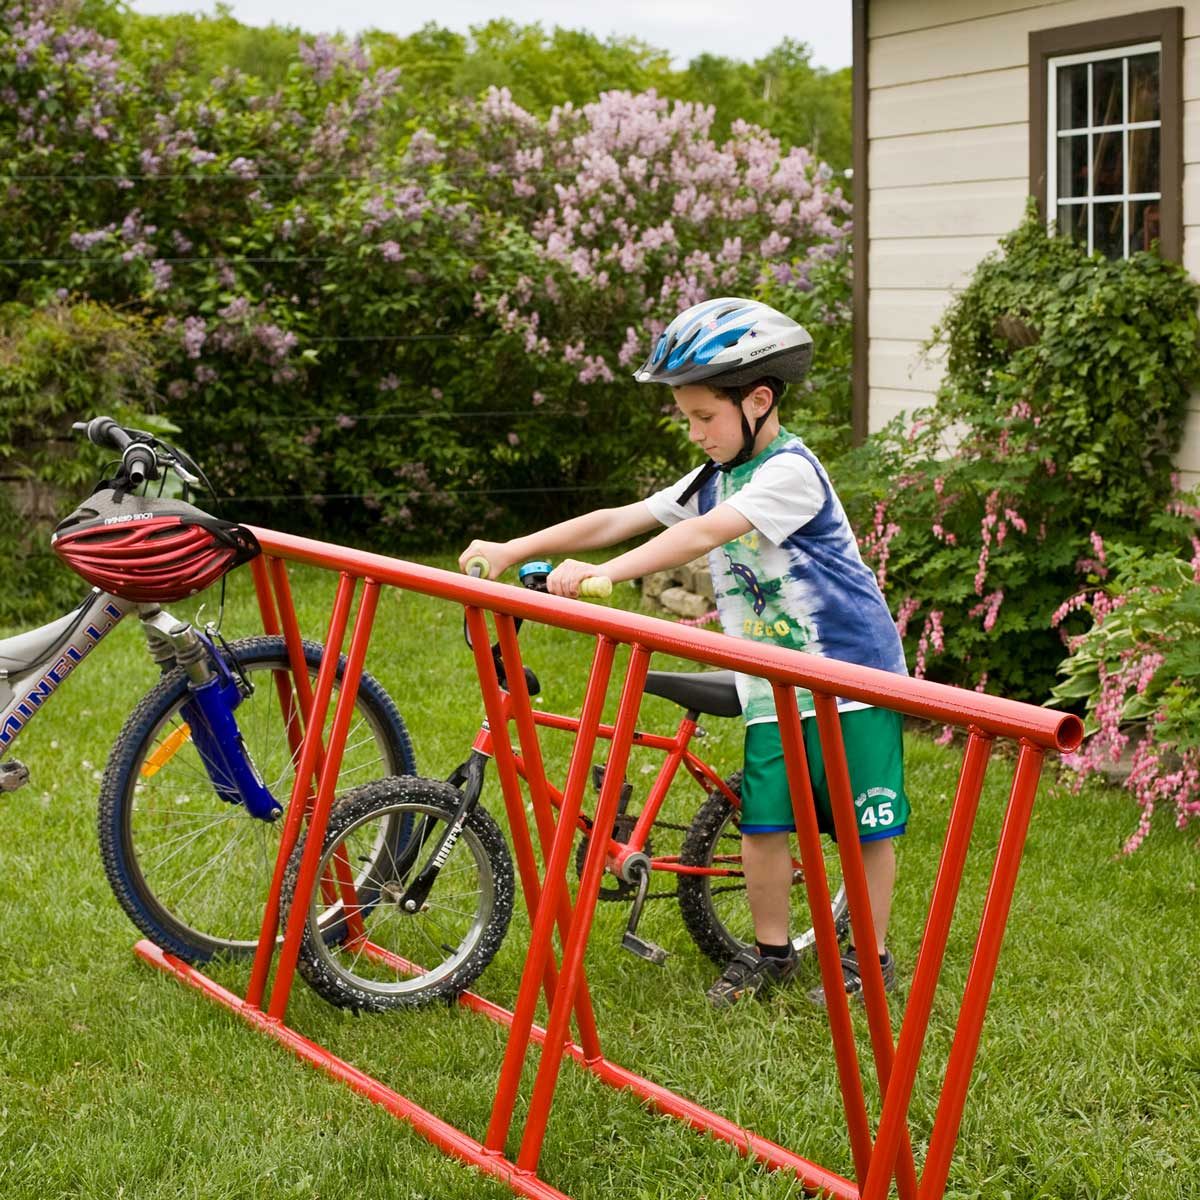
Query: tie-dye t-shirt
column 796, row 578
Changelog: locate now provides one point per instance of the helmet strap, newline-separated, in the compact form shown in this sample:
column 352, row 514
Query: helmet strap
column 744, row 455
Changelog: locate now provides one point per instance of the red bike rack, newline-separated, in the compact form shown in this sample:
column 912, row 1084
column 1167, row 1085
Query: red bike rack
column 878, row 1159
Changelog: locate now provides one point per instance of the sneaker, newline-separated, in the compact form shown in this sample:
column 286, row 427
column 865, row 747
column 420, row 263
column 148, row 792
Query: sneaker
column 852, row 976
column 748, row 974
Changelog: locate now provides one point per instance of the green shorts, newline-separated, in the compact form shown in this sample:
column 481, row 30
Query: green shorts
column 874, row 754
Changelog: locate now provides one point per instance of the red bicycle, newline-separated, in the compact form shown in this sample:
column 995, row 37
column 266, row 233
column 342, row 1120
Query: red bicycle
column 433, row 905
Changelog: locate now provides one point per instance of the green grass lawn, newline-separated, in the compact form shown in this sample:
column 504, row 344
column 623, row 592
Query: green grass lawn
column 117, row 1082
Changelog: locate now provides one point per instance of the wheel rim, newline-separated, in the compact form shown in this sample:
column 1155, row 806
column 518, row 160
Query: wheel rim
column 395, row 953
column 727, row 894
column 207, row 864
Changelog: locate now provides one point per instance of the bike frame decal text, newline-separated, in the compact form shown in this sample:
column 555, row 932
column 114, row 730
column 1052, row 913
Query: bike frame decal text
column 22, row 712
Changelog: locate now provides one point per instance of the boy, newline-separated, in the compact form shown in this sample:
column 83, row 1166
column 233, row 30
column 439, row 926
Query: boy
column 786, row 569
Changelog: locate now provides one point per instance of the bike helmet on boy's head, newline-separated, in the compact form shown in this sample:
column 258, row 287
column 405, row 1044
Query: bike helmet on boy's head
column 730, row 342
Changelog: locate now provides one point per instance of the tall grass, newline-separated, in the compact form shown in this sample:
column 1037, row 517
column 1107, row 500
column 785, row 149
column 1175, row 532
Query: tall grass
column 116, row 1082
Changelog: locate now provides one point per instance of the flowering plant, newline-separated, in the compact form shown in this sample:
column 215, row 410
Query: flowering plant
column 1066, row 385
column 401, row 326
column 1137, row 668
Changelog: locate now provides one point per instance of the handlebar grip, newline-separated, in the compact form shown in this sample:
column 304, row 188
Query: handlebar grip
column 478, row 566
column 104, row 431
column 595, row 587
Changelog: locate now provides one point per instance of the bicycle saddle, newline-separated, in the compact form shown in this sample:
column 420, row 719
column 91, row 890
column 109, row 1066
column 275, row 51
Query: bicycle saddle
column 710, row 692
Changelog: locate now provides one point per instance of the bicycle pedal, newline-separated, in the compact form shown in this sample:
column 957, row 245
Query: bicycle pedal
column 13, row 775
column 644, row 949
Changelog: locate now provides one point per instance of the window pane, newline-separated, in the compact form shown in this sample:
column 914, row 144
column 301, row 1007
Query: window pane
column 1073, row 166
column 1072, row 97
column 1072, row 222
column 1143, row 87
column 1144, row 173
column 1107, row 176
column 1108, row 230
column 1143, row 224
column 1107, row 81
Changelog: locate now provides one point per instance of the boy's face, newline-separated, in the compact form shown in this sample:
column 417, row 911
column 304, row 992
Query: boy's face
column 715, row 422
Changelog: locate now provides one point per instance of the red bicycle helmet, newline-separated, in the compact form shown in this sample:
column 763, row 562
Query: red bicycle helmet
column 149, row 550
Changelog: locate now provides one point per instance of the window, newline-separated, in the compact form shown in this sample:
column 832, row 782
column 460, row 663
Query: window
column 1106, row 132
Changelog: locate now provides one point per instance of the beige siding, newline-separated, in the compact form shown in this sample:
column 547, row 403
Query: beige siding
column 949, row 167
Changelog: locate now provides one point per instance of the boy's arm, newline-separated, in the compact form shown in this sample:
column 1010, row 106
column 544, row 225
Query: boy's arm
column 671, row 548
column 592, row 531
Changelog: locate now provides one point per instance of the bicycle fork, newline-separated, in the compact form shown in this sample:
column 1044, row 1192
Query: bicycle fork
column 213, row 695
column 468, row 779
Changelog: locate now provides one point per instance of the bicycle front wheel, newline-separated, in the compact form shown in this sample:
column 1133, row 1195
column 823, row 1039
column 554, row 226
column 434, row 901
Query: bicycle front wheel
column 366, row 946
column 714, row 906
column 191, row 870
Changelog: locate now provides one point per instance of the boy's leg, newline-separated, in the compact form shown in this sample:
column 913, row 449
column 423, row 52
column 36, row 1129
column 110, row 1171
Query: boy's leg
column 879, row 861
column 767, row 864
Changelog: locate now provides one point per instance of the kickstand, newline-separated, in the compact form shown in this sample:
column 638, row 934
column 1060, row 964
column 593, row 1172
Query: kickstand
column 630, row 941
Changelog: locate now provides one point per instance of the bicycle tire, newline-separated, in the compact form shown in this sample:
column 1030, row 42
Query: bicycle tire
column 191, row 871
column 713, row 907
column 376, row 970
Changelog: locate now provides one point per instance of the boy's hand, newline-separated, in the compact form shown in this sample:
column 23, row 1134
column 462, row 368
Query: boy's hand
column 565, row 579
column 499, row 556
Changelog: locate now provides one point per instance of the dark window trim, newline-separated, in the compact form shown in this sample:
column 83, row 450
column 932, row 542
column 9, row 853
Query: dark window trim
column 1163, row 25
column 860, row 237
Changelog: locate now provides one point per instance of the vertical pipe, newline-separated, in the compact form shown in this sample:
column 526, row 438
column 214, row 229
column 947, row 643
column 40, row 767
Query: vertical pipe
column 982, row 972
column 837, row 1004
column 854, row 876
column 262, row 590
column 539, row 795
column 892, row 1122
column 300, row 786
column 585, row 908
column 555, row 887
column 315, row 837
column 498, row 707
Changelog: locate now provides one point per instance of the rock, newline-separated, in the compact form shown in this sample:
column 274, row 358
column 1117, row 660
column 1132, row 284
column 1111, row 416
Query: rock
column 654, row 585
column 684, row 603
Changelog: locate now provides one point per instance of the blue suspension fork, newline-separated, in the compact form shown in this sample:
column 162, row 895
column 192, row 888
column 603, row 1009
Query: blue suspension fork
column 214, row 693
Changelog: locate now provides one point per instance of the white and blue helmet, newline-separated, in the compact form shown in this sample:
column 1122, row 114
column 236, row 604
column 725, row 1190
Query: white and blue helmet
column 730, row 341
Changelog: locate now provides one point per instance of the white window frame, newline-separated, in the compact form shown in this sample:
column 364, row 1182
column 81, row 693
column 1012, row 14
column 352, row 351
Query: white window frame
column 1054, row 135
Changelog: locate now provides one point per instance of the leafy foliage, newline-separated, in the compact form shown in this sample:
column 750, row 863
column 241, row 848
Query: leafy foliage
column 1064, row 397
column 384, row 327
column 1138, row 667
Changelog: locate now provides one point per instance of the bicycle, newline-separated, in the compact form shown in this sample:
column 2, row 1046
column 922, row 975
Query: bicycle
column 203, row 766
column 427, row 917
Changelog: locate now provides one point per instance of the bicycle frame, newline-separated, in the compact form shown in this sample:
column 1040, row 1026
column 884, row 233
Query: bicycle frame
column 41, row 660
column 621, row 855
column 51, row 657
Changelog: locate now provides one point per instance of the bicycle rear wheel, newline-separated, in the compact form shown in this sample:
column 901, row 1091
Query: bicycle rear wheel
column 362, row 947
column 192, row 871
column 714, row 907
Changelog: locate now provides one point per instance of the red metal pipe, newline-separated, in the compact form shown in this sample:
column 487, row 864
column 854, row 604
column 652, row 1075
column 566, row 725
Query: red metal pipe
column 540, row 946
column 262, row 590
column 534, row 770
column 300, row 785
column 497, row 704
column 928, row 967
column 915, row 697
column 306, row 877
column 854, row 877
column 828, row 956
column 433, row 1129
column 982, row 972
column 571, row 976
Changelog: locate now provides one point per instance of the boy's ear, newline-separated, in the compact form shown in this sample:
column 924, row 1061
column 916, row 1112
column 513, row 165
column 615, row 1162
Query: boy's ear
column 760, row 399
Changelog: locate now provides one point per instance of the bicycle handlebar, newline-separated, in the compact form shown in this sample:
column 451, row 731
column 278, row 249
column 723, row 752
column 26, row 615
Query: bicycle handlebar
column 594, row 587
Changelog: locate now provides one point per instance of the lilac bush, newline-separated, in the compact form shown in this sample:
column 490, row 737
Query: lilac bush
column 468, row 297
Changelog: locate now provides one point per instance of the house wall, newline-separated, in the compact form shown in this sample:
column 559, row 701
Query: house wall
column 948, row 168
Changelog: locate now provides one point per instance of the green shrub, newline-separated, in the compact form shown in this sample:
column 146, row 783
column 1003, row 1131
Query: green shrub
column 1066, row 387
